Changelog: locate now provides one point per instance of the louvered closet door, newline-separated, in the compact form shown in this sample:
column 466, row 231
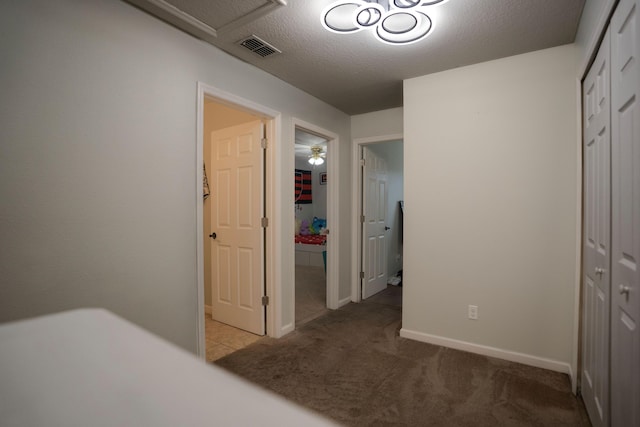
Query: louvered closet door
column 596, row 278
column 625, row 276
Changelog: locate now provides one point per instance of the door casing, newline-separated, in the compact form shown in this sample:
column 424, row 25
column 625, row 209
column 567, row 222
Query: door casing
column 272, row 245
column 333, row 209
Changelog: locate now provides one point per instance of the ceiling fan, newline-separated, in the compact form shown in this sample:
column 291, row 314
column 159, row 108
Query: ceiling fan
column 317, row 155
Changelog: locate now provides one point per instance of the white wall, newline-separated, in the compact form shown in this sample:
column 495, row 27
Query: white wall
column 98, row 162
column 491, row 193
column 393, row 154
column 377, row 123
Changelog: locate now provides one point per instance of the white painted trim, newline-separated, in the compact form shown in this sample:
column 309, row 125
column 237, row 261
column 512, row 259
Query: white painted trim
column 577, row 314
column 344, row 301
column 333, row 209
column 274, row 248
column 273, row 245
column 201, row 347
column 356, row 231
column 179, row 18
column 512, row 356
column 254, row 15
column 594, row 43
column 178, row 14
column 356, row 262
column 289, row 327
column 573, row 379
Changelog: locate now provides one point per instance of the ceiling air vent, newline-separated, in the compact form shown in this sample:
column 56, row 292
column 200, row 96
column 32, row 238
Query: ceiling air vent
column 258, row 46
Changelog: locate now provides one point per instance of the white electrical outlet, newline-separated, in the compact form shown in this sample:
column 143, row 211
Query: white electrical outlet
column 473, row 312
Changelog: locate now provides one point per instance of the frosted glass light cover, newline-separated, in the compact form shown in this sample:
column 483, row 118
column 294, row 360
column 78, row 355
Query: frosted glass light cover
column 394, row 21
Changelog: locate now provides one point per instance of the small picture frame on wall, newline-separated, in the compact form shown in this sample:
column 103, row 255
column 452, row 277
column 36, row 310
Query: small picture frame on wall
column 323, row 178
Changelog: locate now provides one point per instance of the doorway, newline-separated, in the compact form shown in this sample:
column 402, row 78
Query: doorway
column 326, row 189
column 310, row 234
column 378, row 208
column 235, row 263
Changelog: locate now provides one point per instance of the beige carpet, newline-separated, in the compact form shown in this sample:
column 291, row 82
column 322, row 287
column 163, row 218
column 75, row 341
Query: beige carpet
column 352, row 366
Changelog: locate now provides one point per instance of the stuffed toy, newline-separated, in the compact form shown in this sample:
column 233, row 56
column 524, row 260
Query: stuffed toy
column 304, row 228
column 318, row 225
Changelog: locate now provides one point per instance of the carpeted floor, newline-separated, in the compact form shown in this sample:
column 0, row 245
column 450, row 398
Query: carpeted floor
column 352, row 366
column 311, row 293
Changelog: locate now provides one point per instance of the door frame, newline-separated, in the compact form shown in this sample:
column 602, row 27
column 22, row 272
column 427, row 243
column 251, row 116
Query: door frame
column 356, row 191
column 272, row 246
column 333, row 203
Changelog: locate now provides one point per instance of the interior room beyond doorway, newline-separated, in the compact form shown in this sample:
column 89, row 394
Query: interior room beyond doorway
column 381, row 198
column 310, row 234
column 221, row 338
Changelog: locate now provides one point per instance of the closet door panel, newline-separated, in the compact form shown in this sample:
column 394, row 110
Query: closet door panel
column 596, row 263
column 625, row 342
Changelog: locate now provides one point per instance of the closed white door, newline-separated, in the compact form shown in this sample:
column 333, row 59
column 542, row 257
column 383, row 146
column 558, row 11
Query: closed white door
column 237, row 235
column 625, row 249
column 374, row 207
column 596, row 269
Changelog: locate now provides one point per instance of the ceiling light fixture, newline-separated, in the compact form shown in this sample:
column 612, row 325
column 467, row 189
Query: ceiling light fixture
column 394, row 22
column 316, row 155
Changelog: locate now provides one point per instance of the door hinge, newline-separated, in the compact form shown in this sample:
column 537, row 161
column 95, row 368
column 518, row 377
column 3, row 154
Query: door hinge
column 265, row 300
column 263, row 143
column 362, row 274
column 362, row 162
column 361, row 219
column 264, row 222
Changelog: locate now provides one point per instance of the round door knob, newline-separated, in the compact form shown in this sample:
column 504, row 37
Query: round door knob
column 624, row 290
column 213, row 236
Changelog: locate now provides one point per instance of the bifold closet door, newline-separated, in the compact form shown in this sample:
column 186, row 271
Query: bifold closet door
column 625, row 224
column 595, row 273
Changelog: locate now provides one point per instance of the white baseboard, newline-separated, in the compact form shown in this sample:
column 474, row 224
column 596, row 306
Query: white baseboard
column 574, row 381
column 289, row 327
column 512, row 356
column 344, row 301
column 208, row 310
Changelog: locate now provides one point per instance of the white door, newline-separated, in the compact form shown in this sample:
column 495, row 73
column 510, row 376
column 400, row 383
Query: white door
column 237, row 251
column 596, row 270
column 625, row 249
column 374, row 210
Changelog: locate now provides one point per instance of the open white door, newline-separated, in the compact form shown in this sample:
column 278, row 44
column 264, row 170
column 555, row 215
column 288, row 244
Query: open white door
column 237, row 241
column 374, row 211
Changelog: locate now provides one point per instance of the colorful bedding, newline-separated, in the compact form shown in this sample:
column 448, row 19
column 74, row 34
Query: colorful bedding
column 312, row 239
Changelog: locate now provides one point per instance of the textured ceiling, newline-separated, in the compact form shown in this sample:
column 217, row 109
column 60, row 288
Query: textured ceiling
column 356, row 73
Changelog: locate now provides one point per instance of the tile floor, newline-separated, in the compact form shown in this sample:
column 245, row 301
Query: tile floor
column 224, row 339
